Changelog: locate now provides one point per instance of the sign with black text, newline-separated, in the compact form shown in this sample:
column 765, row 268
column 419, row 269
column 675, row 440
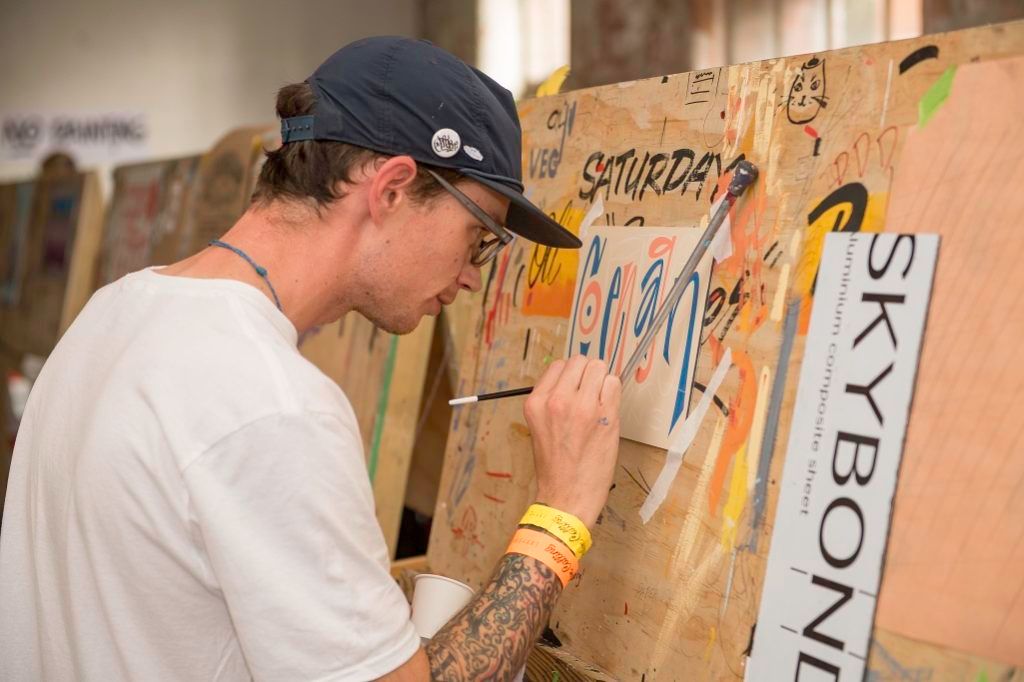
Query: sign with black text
column 845, row 445
column 89, row 137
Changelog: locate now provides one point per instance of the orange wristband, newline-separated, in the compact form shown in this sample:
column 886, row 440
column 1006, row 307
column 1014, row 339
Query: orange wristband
column 547, row 550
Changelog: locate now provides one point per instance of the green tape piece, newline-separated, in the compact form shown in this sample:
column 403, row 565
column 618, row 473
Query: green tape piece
column 983, row 676
column 382, row 406
column 936, row 95
column 547, row 360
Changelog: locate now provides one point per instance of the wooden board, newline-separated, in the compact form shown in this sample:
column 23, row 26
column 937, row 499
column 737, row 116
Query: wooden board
column 86, row 252
column 677, row 598
column 383, row 377
column 15, row 214
column 56, row 262
column 958, row 524
column 223, row 187
column 145, row 216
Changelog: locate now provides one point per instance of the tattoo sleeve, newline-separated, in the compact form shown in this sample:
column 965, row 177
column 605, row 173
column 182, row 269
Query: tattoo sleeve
column 492, row 636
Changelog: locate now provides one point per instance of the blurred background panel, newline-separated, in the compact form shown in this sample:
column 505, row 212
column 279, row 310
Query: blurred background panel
column 191, row 69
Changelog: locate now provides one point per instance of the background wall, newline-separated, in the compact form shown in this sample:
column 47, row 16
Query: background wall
column 198, row 68
column 195, row 68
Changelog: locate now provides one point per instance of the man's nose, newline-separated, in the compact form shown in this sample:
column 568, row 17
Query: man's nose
column 469, row 278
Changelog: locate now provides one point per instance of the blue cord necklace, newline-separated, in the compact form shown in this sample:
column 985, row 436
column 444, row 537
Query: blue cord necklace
column 260, row 270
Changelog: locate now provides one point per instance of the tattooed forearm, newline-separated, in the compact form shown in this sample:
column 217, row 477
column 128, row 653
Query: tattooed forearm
column 491, row 637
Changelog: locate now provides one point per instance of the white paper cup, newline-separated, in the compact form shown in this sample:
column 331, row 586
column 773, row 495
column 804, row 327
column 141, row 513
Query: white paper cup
column 435, row 599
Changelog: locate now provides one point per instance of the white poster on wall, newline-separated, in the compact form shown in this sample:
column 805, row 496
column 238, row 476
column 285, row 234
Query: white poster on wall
column 845, row 445
column 90, row 137
column 625, row 274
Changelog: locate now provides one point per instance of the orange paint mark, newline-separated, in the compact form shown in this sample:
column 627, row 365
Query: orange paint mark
column 741, row 415
column 552, row 300
column 748, row 242
column 552, row 272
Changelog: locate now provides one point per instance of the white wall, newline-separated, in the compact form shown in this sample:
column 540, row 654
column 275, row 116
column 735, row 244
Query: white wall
column 522, row 41
column 195, row 68
column 752, row 30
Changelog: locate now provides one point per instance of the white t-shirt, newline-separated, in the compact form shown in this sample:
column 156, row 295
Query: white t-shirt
column 189, row 501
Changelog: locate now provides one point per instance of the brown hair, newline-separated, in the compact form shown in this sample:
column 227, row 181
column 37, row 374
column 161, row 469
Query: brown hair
column 313, row 169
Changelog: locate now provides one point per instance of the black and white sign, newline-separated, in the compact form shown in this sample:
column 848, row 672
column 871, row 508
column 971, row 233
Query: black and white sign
column 89, row 137
column 845, row 446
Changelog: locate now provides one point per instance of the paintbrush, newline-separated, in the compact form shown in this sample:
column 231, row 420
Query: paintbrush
column 743, row 176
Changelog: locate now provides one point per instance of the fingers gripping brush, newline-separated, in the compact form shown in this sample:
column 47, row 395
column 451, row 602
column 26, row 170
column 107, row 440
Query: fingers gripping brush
column 743, row 177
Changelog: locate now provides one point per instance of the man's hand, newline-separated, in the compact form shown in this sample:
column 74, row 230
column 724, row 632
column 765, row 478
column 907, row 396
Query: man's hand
column 573, row 414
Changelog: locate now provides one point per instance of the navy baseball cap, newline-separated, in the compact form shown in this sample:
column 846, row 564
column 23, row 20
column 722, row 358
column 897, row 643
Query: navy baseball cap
column 401, row 96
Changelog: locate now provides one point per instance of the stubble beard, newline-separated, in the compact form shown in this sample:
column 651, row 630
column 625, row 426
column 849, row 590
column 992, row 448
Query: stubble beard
column 387, row 317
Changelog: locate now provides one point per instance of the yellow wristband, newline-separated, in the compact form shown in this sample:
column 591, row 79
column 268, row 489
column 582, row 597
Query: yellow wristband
column 543, row 548
column 562, row 525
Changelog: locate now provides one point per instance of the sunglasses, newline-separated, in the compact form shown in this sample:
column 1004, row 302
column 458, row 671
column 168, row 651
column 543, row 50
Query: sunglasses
column 485, row 251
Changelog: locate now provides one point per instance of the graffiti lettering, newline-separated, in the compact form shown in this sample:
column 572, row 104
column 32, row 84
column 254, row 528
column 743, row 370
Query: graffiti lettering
column 623, row 279
column 630, row 175
column 544, row 162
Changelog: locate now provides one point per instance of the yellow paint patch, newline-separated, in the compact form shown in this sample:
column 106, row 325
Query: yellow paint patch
column 836, row 217
column 552, row 85
column 757, row 426
column 780, row 294
column 553, row 273
column 711, row 644
column 737, row 499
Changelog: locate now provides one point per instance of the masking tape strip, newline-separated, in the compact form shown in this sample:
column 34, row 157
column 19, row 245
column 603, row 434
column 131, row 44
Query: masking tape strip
column 687, row 432
column 595, row 212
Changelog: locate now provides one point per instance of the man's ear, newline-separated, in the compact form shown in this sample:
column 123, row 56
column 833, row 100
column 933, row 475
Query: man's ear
column 389, row 187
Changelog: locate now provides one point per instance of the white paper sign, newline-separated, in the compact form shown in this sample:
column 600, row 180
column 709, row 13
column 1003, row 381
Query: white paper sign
column 90, row 137
column 624, row 275
column 845, row 446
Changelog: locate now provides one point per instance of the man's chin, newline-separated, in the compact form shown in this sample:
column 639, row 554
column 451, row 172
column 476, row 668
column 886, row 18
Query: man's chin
column 393, row 325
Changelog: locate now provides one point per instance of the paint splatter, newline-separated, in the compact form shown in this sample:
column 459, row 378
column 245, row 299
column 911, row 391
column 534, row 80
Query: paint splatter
column 918, row 56
column 737, row 499
column 934, row 98
column 711, row 644
column 553, row 83
column 382, row 404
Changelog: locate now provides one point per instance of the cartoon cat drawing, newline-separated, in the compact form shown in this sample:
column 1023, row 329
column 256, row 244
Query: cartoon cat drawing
column 807, row 93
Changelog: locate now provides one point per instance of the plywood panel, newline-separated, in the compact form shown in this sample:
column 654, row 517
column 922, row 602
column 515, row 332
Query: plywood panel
column 145, row 216
column 383, row 376
column 223, row 187
column 33, row 323
column 86, row 253
column 678, row 597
